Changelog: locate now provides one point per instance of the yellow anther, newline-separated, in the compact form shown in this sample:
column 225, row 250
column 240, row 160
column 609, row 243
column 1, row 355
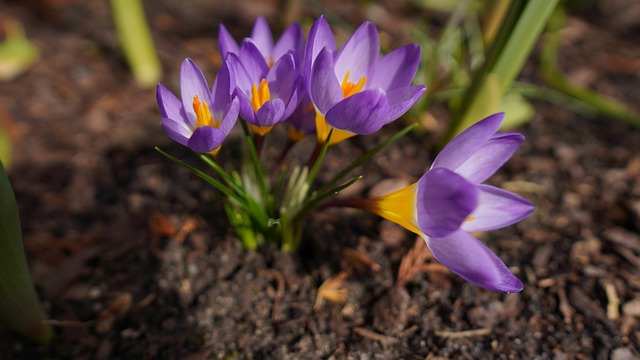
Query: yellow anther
column 469, row 218
column 260, row 94
column 203, row 114
column 349, row 88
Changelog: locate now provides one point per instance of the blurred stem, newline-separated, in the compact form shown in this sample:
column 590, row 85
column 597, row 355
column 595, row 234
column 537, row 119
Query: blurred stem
column 20, row 309
column 557, row 80
column 135, row 39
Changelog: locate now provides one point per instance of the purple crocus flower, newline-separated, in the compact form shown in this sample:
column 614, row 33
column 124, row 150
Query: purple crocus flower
column 204, row 117
column 354, row 90
column 450, row 201
column 267, row 95
column 261, row 36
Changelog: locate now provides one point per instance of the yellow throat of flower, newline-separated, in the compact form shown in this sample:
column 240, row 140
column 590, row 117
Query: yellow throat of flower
column 399, row 207
column 203, row 114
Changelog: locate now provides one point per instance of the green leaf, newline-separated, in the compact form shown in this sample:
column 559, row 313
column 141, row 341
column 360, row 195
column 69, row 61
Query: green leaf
column 17, row 53
column 20, row 309
column 519, row 111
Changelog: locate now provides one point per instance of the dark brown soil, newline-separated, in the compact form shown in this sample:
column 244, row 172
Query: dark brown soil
column 134, row 259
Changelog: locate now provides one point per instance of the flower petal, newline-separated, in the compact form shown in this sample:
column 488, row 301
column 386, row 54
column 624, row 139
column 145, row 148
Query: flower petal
column 246, row 109
column 291, row 39
column 226, row 42
column 324, row 88
column 222, row 87
column 402, row 99
column 205, row 139
column 458, row 150
column 170, row 106
column 490, row 157
column 253, row 61
column 360, row 51
column 444, row 201
column 320, row 37
column 270, row 113
column 281, row 78
column 192, row 83
column 230, row 116
column 262, row 37
column 242, row 78
column 473, row 261
column 176, row 130
column 362, row 113
column 396, row 69
column 497, row 208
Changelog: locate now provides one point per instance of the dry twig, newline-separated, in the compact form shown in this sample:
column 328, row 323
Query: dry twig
column 332, row 290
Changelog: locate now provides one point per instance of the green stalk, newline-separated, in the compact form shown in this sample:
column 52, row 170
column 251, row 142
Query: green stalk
column 135, row 39
column 520, row 30
column 20, row 309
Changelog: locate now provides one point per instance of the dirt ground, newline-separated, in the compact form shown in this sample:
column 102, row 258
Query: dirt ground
column 134, row 259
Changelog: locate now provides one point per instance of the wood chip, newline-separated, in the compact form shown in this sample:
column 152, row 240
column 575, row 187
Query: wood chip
column 464, row 334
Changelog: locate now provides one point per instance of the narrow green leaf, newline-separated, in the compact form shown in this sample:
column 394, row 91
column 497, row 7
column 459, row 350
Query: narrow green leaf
column 20, row 309
column 135, row 39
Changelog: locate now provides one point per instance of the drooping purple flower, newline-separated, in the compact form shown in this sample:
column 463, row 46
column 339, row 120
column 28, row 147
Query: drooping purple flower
column 204, row 117
column 354, row 90
column 450, row 201
column 267, row 95
column 261, row 36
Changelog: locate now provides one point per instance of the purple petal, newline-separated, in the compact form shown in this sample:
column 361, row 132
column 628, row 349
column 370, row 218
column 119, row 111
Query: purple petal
column 473, row 261
column 253, row 61
column 176, row 130
column 281, row 78
column 360, row 51
column 324, row 88
column 192, row 83
column 296, row 96
column 205, row 139
column 262, row 37
column 458, row 150
column 496, row 209
column 396, row 69
column 230, row 116
column 402, row 99
column 242, row 79
column 246, row 109
column 270, row 113
column 362, row 113
column 303, row 117
column 170, row 106
column 490, row 157
column 226, row 42
column 291, row 39
column 223, row 85
column 320, row 37
column 444, row 201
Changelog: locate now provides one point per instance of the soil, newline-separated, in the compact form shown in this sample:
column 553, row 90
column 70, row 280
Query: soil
column 134, row 259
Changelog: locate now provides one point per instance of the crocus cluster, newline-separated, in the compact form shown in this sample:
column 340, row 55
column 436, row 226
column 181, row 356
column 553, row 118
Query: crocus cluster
column 336, row 93
column 450, row 201
column 313, row 86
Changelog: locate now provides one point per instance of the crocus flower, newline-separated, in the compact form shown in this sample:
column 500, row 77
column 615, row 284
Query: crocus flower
column 302, row 120
column 267, row 95
column 449, row 201
column 291, row 40
column 354, row 90
column 204, row 117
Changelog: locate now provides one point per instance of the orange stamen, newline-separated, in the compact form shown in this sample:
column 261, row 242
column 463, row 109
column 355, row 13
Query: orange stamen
column 260, row 94
column 349, row 88
column 203, row 114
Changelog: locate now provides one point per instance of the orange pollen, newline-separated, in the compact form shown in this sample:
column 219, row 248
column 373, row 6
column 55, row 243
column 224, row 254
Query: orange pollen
column 469, row 218
column 203, row 114
column 260, row 94
column 349, row 88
